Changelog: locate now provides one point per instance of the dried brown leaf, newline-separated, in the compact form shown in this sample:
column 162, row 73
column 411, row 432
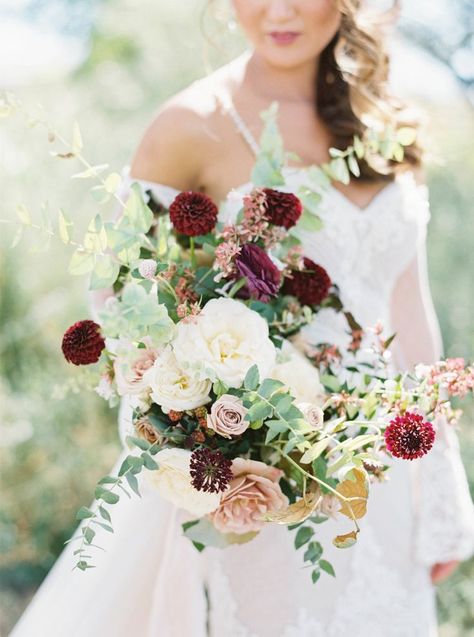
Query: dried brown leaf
column 298, row 511
column 357, row 490
column 345, row 541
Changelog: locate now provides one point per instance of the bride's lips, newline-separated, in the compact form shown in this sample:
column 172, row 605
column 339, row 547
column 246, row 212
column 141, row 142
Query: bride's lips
column 283, row 38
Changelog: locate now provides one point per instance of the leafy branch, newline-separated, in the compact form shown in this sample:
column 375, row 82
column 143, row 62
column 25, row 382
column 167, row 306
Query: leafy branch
column 106, row 494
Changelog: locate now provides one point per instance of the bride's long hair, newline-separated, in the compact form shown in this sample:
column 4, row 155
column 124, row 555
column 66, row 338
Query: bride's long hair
column 352, row 92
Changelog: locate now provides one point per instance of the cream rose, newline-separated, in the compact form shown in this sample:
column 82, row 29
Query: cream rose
column 174, row 388
column 299, row 376
column 227, row 416
column 173, row 482
column 253, row 491
column 313, row 414
column 224, row 341
column 130, row 370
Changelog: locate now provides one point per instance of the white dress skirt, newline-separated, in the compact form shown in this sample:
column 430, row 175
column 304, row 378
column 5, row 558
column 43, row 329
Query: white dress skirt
column 152, row 582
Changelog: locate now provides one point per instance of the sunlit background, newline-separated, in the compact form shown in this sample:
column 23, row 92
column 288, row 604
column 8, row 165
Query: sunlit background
column 108, row 65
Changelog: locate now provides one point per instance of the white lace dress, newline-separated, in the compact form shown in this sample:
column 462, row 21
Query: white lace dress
column 151, row 582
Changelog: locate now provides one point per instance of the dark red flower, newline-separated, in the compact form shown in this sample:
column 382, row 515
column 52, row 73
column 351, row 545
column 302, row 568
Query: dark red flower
column 263, row 277
column 282, row 208
column 310, row 286
column 193, row 213
column 210, row 470
column 409, row 436
column 82, row 343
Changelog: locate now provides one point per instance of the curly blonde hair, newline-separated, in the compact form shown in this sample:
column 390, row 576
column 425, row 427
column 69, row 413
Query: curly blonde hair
column 352, row 94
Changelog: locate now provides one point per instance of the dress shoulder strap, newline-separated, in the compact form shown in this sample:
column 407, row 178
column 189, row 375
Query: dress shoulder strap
column 228, row 107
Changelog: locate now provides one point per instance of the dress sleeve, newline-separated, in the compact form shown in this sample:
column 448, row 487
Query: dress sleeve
column 444, row 509
column 445, row 529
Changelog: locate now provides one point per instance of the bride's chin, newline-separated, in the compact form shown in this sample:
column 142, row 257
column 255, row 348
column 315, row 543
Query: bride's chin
column 284, row 59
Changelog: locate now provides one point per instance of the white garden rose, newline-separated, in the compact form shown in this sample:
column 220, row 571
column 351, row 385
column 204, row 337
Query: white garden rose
column 224, row 341
column 173, row 482
column 174, row 388
column 299, row 376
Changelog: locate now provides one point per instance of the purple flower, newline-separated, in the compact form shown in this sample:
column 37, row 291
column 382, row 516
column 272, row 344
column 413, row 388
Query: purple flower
column 263, row 277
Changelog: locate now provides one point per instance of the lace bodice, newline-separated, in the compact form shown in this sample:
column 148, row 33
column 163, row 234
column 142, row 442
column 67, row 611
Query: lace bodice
column 363, row 250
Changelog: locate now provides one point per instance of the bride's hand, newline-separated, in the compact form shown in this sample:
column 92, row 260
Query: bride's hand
column 440, row 572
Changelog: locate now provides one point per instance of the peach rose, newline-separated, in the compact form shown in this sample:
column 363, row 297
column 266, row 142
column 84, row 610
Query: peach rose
column 253, row 491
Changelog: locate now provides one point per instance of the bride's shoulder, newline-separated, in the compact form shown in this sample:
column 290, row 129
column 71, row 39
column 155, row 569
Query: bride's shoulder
column 182, row 126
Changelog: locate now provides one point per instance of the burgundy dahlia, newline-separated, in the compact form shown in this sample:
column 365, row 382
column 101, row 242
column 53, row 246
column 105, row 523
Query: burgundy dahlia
column 83, row 343
column 310, row 286
column 282, row 208
column 263, row 277
column 193, row 213
column 409, row 436
column 210, row 470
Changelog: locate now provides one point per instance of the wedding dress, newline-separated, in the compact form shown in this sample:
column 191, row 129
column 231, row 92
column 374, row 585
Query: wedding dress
column 152, row 582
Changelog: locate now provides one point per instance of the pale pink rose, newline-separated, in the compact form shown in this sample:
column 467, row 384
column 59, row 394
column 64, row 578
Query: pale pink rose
column 129, row 371
column 227, row 416
column 253, row 491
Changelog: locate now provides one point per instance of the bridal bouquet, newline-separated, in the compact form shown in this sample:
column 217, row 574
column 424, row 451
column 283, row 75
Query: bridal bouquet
column 231, row 420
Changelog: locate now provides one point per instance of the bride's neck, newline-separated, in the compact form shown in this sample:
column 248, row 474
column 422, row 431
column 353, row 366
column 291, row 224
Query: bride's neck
column 295, row 84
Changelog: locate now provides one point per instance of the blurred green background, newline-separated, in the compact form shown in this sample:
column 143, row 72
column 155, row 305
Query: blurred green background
column 124, row 63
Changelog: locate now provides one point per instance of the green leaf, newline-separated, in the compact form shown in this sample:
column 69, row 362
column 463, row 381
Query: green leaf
column 112, row 182
column 136, row 464
column 359, row 147
column 95, row 239
column 88, row 533
column 105, row 272
column 315, row 575
column 124, row 466
column 84, row 513
column 187, row 525
column 252, row 378
column 77, row 143
column 283, row 405
column 313, row 552
column 304, row 534
column 205, row 534
column 309, row 222
column 63, row 227
column 330, row 382
column 310, row 199
column 106, row 495
column 269, row 386
column 137, row 212
column 327, row 567
column 106, row 527
column 108, row 480
column 81, row 263
column 339, row 170
column 105, row 514
column 406, row 135
column 315, row 451
column 259, row 411
column 144, row 445
column 133, row 482
column 148, row 462
column 353, row 165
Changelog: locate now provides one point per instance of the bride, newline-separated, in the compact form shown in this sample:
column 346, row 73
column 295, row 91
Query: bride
column 325, row 65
